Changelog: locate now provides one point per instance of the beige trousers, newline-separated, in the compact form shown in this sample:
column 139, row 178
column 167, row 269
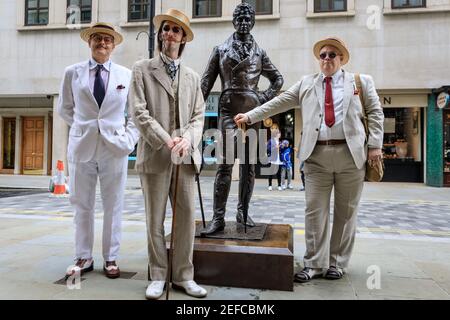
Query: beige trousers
column 328, row 167
column 157, row 188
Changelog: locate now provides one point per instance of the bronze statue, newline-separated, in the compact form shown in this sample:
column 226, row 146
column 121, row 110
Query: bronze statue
column 240, row 62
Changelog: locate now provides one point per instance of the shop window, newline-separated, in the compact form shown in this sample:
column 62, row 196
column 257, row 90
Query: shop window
column 402, row 145
column 138, row 10
column 9, row 141
column 36, row 12
column 403, row 4
column 401, row 133
column 206, row 8
column 79, row 11
column 261, row 6
column 330, row 5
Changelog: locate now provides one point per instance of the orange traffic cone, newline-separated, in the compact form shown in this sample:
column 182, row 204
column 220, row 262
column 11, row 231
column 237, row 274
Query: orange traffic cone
column 60, row 183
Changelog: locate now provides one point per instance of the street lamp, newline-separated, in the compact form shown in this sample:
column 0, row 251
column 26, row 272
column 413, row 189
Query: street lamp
column 151, row 29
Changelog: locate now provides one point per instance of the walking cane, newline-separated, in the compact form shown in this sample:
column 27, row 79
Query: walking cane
column 172, row 234
column 245, row 172
column 197, row 178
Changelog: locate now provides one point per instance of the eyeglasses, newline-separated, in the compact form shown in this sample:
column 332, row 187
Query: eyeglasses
column 175, row 29
column 331, row 55
column 99, row 38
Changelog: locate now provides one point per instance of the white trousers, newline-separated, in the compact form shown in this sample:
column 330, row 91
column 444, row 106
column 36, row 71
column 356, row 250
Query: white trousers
column 112, row 173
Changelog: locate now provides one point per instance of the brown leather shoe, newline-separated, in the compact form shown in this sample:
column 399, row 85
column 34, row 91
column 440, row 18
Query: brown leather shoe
column 111, row 269
column 82, row 266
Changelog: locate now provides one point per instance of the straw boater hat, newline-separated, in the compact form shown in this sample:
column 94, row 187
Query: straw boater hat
column 335, row 42
column 177, row 17
column 101, row 27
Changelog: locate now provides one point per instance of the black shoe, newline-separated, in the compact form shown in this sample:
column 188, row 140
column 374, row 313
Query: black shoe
column 240, row 219
column 215, row 225
column 307, row 274
column 334, row 273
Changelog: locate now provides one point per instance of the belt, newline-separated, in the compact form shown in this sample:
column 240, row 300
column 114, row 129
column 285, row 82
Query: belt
column 330, row 142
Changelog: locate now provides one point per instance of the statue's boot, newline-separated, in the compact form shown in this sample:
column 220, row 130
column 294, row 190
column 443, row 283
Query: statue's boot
column 215, row 225
column 221, row 191
column 246, row 184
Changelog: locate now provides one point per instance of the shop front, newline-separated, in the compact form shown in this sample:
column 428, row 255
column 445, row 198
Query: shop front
column 438, row 138
column 403, row 143
column 446, row 147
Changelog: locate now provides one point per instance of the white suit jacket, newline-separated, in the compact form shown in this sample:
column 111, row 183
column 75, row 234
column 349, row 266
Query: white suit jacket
column 78, row 107
column 308, row 95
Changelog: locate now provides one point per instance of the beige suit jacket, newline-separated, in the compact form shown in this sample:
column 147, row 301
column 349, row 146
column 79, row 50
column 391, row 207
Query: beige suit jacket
column 308, row 95
column 149, row 101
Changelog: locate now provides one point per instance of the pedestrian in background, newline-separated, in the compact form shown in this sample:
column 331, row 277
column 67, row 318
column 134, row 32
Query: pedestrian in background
column 273, row 152
column 286, row 167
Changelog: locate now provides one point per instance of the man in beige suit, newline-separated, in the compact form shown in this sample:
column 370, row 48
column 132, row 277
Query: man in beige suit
column 168, row 109
column 335, row 148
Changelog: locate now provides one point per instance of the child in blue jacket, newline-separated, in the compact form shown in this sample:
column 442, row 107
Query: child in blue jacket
column 286, row 167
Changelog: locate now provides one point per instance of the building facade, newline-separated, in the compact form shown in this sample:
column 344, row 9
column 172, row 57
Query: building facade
column 395, row 41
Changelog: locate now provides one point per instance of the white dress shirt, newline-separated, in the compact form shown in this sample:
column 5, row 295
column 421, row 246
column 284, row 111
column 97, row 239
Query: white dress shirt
column 336, row 132
column 168, row 59
column 104, row 73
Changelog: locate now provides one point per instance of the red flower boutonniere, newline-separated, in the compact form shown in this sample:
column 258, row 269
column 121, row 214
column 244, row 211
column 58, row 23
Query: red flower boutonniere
column 120, row 87
column 356, row 92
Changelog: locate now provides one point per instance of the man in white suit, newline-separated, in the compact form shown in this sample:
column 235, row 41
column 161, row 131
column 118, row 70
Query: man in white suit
column 93, row 102
column 334, row 147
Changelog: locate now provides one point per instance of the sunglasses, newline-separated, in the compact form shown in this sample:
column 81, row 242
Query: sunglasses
column 98, row 38
column 175, row 29
column 331, row 55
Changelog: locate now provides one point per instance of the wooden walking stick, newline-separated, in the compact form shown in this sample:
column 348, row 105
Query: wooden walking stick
column 172, row 233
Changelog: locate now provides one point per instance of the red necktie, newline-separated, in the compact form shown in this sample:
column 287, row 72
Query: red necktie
column 329, row 107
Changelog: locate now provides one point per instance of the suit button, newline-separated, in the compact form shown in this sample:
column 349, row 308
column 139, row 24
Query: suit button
column 317, row 129
column 320, row 115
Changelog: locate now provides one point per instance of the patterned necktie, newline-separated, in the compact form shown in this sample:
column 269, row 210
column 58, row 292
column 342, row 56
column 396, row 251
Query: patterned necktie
column 99, row 86
column 171, row 69
column 329, row 107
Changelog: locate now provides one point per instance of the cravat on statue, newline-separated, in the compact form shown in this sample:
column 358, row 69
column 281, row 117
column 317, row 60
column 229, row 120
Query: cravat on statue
column 99, row 86
column 329, row 106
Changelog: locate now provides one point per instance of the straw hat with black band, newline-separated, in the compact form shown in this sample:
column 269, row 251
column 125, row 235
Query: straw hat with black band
column 102, row 27
column 335, row 42
column 177, row 17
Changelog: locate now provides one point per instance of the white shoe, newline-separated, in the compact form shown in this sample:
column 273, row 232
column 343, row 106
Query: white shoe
column 155, row 289
column 191, row 288
column 302, row 188
column 270, row 188
column 279, row 188
column 290, row 187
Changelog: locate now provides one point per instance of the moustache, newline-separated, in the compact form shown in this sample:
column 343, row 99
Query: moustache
column 167, row 38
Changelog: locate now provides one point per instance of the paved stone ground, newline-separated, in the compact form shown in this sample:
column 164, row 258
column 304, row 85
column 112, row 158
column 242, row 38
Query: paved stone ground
column 405, row 218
